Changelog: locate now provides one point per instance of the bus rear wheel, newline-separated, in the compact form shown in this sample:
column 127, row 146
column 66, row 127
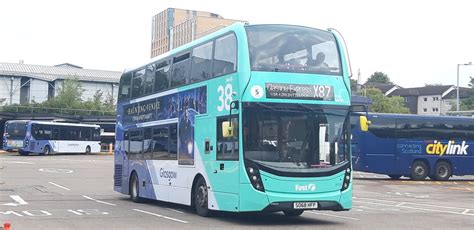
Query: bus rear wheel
column 293, row 212
column 201, row 198
column 134, row 189
column 443, row 171
column 88, row 150
column 419, row 170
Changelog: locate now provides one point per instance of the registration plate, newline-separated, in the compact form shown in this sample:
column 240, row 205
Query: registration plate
column 305, row 205
column 15, row 144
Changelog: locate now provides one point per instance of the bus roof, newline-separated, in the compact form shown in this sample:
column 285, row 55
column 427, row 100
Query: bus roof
column 52, row 123
column 416, row 116
column 205, row 38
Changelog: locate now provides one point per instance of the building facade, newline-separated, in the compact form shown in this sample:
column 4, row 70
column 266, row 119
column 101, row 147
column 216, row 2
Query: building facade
column 24, row 83
column 175, row 27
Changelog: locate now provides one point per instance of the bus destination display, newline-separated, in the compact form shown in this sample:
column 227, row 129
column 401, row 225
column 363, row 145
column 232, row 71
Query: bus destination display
column 300, row 91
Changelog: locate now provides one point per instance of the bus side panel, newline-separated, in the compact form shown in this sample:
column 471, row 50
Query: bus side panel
column 380, row 154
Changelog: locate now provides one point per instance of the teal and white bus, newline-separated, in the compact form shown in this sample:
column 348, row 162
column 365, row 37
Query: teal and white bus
column 248, row 118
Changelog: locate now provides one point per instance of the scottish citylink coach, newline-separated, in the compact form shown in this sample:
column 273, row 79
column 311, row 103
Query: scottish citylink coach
column 414, row 146
column 248, row 118
column 44, row 137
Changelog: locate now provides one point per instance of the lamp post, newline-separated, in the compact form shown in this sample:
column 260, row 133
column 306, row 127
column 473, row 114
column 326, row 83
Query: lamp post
column 457, row 88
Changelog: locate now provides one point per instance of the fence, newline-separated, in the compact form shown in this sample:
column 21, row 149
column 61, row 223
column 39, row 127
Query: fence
column 57, row 111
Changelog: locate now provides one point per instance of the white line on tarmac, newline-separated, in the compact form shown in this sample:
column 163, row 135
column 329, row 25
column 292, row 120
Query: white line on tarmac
column 20, row 162
column 466, row 211
column 60, row 186
column 423, row 209
column 330, row 215
column 99, row 201
column 174, row 210
column 161, row 216
column 409, row 203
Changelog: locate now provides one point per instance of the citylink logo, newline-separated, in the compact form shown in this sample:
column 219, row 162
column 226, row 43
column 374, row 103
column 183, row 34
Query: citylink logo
column 449, row 149
column 307, row 187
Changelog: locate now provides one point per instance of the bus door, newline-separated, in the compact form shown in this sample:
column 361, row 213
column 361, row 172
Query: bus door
column 406, row 147
column 124, row 155
column 55, row 141
column 222, row 156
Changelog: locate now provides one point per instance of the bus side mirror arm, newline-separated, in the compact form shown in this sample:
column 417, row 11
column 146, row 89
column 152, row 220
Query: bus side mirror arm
column 227, row 129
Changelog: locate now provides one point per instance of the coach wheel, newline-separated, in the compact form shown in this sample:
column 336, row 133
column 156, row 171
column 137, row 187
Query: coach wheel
column 88, row 149
column 293, row 212
column 201, row 198
column 443, row 171
column 394, row 176
column 46, row 150
column 419, row 170
column 135, row 189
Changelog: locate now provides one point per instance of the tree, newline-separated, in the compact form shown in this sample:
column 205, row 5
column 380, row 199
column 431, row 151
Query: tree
column 354, row 86
column 69, row 96
column 384, row 104
column 379, row 77
column 471, row 82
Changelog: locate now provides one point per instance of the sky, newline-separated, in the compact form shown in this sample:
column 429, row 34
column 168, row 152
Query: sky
column 414, row 42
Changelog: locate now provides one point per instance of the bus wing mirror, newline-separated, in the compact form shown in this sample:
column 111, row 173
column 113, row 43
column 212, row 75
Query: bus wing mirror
column 364, row 124
column 227, row 129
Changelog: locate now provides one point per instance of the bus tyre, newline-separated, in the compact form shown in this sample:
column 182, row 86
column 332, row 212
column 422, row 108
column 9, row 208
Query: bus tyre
column 46, row 150
column 394, row 176
column 443, row 171
column 201, row 198
column 88, row 150
column 419, row 170
column 135, row 189
column 293, row 212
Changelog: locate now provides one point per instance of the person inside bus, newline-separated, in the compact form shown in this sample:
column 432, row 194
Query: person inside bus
column 319, row 62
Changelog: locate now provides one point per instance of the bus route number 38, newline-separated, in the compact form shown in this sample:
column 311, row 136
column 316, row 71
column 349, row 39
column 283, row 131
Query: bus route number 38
column 225, row 97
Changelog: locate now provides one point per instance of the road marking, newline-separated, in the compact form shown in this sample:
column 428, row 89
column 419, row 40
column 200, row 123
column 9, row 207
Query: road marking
column 60, row 186
column 466, row 211
column 330, row 215
column 471, row 183
column 409, row 203
column 20, row 162
column 99, row 201
column 161, row 216
column 398, row 205
column 17, row 199
column 174, row 210
column 56, row 170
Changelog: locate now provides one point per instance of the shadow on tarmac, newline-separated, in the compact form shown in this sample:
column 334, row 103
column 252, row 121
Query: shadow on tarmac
column 247, row 218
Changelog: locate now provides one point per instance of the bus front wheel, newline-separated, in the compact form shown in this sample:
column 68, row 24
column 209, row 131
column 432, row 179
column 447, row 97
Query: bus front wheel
column 293, row 212
column 419, row 170
column 201, row 198
column 443, row 171
column 23, row 153
column 46, row 150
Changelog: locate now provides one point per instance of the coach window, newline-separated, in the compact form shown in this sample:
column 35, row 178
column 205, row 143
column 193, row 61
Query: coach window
column 136, row 144
column 125, row 84
column 383, row 127
column 149, row 79
column 180, row 72
column 201, row 62
column 147, row 145
column 126, row 143
column 173, row 142
column 160, row 143
column 225, row 55
column 161, row 76
column 227, row 147
column 137, row 83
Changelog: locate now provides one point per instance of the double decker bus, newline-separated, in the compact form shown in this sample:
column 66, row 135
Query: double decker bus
column 248, row 118
column 416, row 146
column 44, row 137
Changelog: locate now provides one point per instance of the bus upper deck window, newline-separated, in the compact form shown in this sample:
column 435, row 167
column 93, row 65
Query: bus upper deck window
column 125, row 83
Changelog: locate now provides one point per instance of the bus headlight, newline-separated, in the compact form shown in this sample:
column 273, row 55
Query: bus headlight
column 347, row 179
column 254, row 176
column 26, row 143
